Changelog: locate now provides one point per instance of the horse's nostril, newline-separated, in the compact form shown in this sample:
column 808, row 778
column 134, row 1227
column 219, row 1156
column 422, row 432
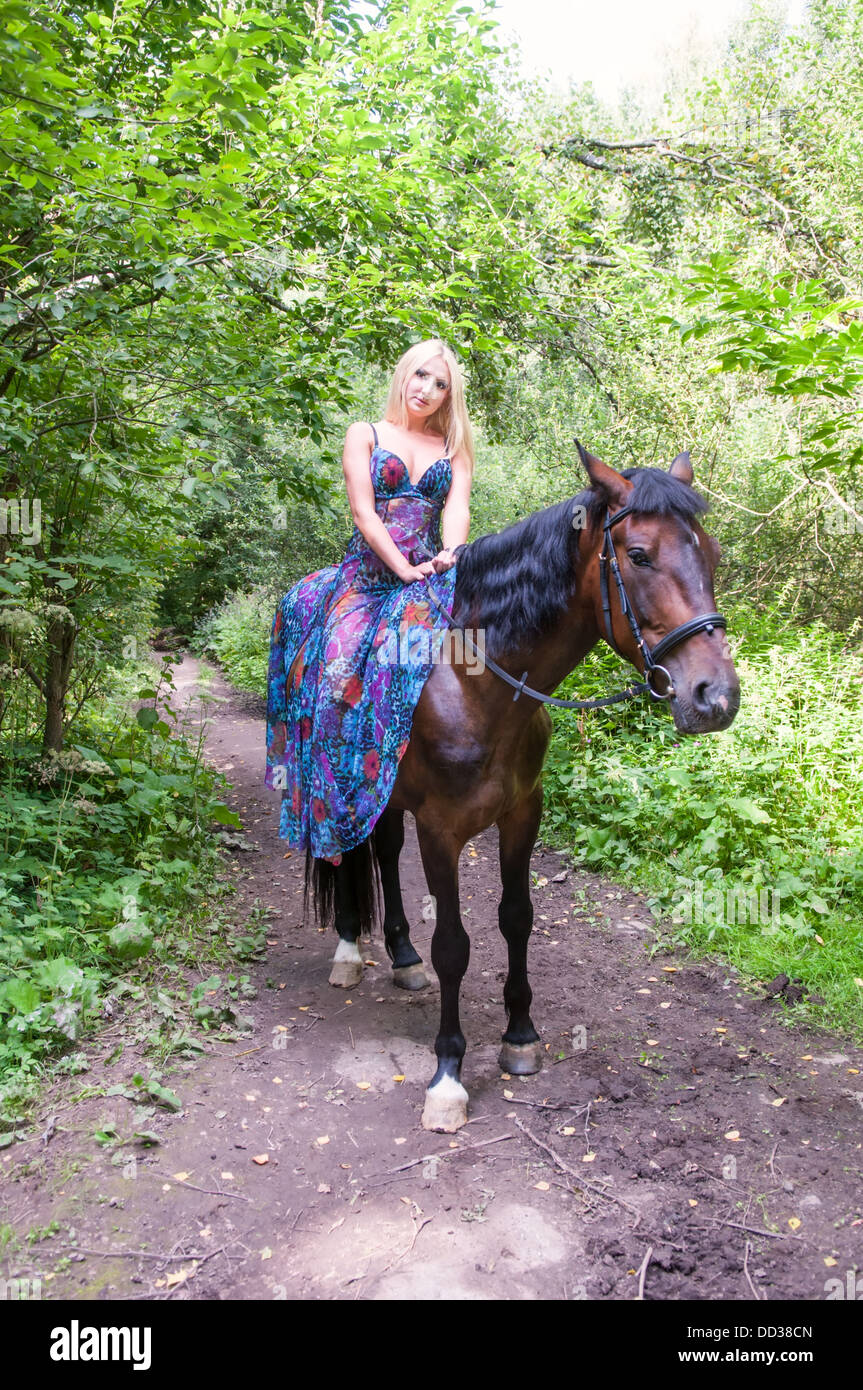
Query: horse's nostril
column 702, row 697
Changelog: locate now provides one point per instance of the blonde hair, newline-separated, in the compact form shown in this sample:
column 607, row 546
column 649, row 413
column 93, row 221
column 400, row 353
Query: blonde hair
column 451, row 418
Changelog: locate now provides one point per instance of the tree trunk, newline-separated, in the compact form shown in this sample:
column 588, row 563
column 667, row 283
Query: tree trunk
column 62, row 632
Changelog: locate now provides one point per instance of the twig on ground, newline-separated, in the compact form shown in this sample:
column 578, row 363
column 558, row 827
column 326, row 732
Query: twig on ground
column 755, row 1293
column 210, row 1191
column 642, row 1273
column 445, row 1153
column 576, row 1176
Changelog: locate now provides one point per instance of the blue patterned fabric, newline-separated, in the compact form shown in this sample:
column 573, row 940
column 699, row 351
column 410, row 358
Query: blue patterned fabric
column 351, row 649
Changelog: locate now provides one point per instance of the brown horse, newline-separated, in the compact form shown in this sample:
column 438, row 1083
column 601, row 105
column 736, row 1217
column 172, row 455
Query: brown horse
column 536, row 591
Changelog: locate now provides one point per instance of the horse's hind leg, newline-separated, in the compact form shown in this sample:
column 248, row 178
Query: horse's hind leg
column 446, row 1098
column 347, row 968
column 389, row 836
column 521, row 1052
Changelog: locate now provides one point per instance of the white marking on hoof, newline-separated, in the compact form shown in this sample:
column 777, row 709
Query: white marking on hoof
column 521, row 1060
column 347, row 968
column 410, row 977
column 445, row 1109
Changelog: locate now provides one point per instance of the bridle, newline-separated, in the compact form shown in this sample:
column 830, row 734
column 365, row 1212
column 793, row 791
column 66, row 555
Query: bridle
column 705, row 622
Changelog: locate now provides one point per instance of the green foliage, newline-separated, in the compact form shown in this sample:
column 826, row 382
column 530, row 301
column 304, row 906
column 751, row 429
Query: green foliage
column 105, row 847
column 770, row 807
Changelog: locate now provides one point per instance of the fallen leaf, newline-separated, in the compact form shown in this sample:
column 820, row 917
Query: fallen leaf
column 364, row 1085
column 720, row 1030
column 181, row 1177
column 508, row 1095
column 266, row 1253
column 323, row 1139
column 227, row 1177
column 166, row 1187
column 505, row 1076
column 829, row 1261
column 670, row 969
column 733, row 1135
column 794, row 1222
column 588, row 1158
column 819, row 939
column 780, row 1101
column 400, row 1141
column 568, row 1129
column 399, row 1077
column 652, row 1042
column 666, row 1005
column 693, row 1202
column 261, row 1159
column 643, row 991
column 542, row 1186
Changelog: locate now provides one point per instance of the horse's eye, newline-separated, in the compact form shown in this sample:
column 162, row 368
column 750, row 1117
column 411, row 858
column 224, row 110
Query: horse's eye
column 638, row 557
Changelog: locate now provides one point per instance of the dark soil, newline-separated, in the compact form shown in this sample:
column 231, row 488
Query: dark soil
column 682, row 1135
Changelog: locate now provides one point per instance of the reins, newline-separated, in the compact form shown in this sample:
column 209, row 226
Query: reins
column 706, row 622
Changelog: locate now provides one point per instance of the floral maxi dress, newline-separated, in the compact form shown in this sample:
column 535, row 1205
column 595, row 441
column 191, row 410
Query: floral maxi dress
column 352, row 647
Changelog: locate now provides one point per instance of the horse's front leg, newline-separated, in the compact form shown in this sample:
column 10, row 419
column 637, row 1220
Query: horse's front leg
column 389, row 836
column 446, row 1098
column 521, row 1053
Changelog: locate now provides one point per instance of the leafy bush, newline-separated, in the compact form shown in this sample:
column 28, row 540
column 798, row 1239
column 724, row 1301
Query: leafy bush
column 105, row 846
column 749, row 840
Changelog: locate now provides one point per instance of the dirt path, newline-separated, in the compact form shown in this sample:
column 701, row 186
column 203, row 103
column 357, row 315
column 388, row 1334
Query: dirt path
column 680, row 1134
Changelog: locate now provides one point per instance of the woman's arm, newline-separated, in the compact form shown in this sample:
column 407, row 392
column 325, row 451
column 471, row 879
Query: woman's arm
column 456, row 513
column 361, row 496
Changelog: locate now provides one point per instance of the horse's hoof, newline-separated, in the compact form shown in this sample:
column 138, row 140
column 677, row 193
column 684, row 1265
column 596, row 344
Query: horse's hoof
column 346, row 973
column 410, row 977
column 445, row 1109
column 521, row 1059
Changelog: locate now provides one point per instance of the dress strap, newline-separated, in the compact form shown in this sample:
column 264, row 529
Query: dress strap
column 375, row 433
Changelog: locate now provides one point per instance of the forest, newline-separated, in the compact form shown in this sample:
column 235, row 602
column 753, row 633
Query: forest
column 221, row 227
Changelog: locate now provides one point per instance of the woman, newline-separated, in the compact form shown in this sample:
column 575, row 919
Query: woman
column 344, row 673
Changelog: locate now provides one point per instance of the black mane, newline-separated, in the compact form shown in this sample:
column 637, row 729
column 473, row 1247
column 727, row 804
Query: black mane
column 515, row 583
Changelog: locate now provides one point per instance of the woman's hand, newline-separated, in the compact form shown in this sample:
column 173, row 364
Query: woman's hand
column 443, row 561
column 411, row 573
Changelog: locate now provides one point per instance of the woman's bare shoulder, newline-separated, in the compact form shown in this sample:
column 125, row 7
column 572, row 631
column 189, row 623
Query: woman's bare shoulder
column 360, row 432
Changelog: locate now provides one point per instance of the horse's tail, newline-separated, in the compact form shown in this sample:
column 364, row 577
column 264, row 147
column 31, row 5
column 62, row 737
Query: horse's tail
column 359, row 884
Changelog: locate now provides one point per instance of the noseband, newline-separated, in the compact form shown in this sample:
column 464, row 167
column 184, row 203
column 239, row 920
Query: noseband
column 706, row 622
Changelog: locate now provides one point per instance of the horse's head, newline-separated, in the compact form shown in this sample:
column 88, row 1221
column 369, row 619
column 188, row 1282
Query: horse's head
column 666, row 563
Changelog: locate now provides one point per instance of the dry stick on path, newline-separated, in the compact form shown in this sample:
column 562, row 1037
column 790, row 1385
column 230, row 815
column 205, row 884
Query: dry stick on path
column 746, row 1255
column 642, row 1273
column 577, row 1177
column 210, row 1191
column 444, row 1153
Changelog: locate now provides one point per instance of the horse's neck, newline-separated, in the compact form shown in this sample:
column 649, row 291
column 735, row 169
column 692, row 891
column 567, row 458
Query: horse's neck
column 546, row 660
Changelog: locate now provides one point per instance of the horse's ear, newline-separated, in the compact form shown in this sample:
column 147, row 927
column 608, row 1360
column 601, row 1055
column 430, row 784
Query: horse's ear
column 681, row 469
column 613, row 486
